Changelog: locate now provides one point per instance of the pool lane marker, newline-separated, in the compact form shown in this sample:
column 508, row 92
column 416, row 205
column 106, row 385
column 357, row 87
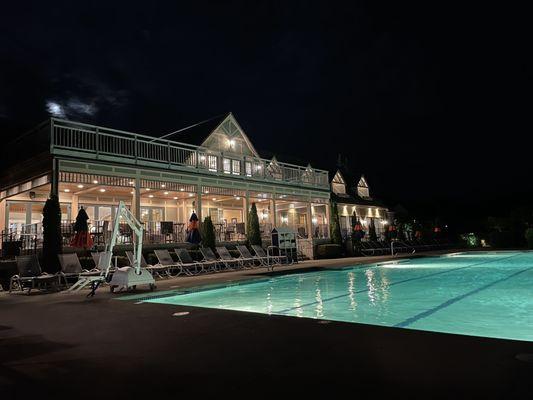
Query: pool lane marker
column 453, row 300
column 286, row 310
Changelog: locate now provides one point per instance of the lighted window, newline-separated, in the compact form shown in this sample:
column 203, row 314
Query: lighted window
column 248, row 168
column 212, row 163
column 236, row 167
column 227, row 165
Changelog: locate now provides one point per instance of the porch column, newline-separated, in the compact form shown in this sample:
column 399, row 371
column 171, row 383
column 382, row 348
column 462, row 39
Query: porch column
column 309, row 220
column 328, row 219
column 74, row 207
column 3, row 215
column 199, row 202
column 246, row 205
column 274, row 214
column 136, row 200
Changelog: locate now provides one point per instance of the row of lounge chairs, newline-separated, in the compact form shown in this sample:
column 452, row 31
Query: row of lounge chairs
column 30, row 275
column 377, row 248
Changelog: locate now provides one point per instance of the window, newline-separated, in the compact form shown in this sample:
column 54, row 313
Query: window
column 248, row 168
column 212, row 163
column 227, row 165
column 236, row 167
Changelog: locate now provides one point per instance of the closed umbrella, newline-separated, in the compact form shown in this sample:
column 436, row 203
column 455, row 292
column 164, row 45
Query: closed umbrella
column 193, row 233
column 82, row 238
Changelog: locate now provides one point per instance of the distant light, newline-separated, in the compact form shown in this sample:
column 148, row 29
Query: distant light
column 147, row 189
column 214, row 198
column 166, row 192
column 237, row 198
column 132, row 182
column 191, row 194
column 175, row 198
column 102, row 190
column 207, row 192
column 182, row 189
column 163, row 185
column 80, row 186
column 150, row 195
column 67, row 190
column 95, row 182
column 132, row 192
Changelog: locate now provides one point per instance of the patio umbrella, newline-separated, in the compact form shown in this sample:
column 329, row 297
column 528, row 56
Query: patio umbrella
column 393, row 233
column 193, row 233
column 358, row 229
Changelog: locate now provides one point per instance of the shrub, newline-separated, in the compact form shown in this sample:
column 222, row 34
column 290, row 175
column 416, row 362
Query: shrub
column 529, row 237
column 52, row 244
column 328, row 251
column 208, row 233
column 253, row 234
column 335, row 229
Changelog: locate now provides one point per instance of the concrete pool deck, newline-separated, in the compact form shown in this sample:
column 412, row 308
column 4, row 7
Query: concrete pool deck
column 65, row 345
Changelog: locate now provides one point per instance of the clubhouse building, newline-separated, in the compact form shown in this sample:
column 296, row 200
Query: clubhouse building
column 212, row 170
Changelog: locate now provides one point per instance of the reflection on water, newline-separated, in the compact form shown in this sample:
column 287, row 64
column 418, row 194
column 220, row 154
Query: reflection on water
column 351, row 290
column 319, row 309
column 370, row 285
column 269, row 303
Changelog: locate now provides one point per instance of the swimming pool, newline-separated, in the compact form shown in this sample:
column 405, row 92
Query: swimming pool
column 479, row 294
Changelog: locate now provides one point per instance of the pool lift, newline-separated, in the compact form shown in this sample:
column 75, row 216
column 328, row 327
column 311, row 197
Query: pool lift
column 124, row 277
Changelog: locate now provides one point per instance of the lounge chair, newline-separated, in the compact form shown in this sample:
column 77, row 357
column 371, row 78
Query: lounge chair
column 260, row 252
column 228, row 260
column 31, row 276
column 160, row 270
column 71, row 268
column 245, row 254
column 210, row 257
column 187, row 263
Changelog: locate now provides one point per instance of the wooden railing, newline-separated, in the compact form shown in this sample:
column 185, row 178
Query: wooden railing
column 94, row 142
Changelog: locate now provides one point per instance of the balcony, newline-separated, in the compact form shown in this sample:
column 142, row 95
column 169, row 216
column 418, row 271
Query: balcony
column 94, row 142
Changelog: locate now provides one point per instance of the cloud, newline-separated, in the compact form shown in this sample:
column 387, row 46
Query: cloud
column 82, row 95
column 77, row 106
column 55, row 109
column 72, row 107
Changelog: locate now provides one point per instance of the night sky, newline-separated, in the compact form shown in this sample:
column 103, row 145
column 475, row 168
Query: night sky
column 430, row 101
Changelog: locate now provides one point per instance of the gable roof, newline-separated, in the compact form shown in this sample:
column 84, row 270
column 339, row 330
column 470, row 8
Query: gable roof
column 197, row 134
column 352, row 181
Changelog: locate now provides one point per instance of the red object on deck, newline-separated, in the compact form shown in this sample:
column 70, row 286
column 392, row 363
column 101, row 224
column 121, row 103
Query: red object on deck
column 82, row 239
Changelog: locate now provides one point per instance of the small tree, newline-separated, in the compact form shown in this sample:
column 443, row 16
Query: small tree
column 334, row 225
column 208, row 233
column 253, row 234
column 529, row 237
column 52, row 243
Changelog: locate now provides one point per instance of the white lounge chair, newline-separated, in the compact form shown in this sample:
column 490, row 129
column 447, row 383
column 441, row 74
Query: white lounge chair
column 71, row 268
column 188, row 263
column 160, row 270
column 31, row 276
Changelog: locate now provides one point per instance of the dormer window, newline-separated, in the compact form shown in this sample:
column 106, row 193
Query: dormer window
column 362, row 188
column 338, row 185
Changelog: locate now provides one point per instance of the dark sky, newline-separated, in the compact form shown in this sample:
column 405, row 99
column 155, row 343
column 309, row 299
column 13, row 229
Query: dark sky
column 430, row 101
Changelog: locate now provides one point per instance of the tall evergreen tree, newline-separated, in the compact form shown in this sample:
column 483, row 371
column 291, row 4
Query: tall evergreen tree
column 52, row 243
column 253, row 232
column 208, row 233
column 335, row 228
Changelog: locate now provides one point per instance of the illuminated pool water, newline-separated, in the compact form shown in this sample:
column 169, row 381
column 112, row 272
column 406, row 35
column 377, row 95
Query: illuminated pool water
column 480, row 294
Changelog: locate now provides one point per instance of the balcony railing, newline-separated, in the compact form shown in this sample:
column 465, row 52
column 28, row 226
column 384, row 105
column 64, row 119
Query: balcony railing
column 89, row 141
